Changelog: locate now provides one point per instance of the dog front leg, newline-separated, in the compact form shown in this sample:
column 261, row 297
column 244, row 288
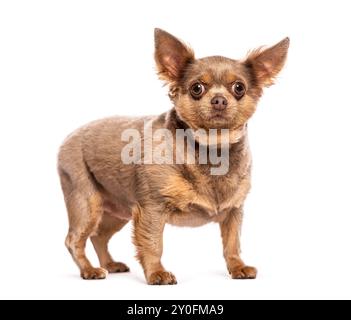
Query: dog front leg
column 148, row 239
column 230, row 230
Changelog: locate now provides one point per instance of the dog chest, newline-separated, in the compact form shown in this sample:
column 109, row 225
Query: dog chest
column 196, row 202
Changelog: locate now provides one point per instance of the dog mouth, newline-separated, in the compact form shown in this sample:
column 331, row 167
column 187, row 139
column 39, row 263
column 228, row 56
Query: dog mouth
column 215, row 119
column 218, row 116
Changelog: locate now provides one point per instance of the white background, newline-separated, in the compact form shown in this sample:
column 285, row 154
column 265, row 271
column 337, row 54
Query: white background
column 64, row 63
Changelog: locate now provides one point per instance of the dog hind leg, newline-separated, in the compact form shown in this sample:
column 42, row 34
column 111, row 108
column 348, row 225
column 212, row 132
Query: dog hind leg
column 85, row 208
column 107, row 228
column 84, row 216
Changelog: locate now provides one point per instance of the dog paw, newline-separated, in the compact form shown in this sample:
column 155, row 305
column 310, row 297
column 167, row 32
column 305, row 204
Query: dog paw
column 162, row 278
column 244, row 272
column 116, row 267
column 94, row 274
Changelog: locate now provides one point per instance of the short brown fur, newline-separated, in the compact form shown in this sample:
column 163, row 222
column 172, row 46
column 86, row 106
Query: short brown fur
column 102, row 194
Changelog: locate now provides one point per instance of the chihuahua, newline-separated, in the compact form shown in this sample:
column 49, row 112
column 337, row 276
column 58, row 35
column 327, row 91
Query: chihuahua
column 103, row 189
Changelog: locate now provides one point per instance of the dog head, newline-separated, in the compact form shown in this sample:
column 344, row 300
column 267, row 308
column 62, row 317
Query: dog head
column 215, row 92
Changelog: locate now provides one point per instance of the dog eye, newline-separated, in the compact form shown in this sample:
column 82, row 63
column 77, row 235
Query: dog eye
column 197, row 90
column 239, row 89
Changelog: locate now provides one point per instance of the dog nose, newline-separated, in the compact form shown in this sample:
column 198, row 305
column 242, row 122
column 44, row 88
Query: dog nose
column 219, row 103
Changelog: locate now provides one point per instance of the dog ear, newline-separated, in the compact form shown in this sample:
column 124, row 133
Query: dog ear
column 171, row 55
column 267, row 63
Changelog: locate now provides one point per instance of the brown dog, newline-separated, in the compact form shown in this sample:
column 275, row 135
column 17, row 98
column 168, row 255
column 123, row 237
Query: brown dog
column 102, row 192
